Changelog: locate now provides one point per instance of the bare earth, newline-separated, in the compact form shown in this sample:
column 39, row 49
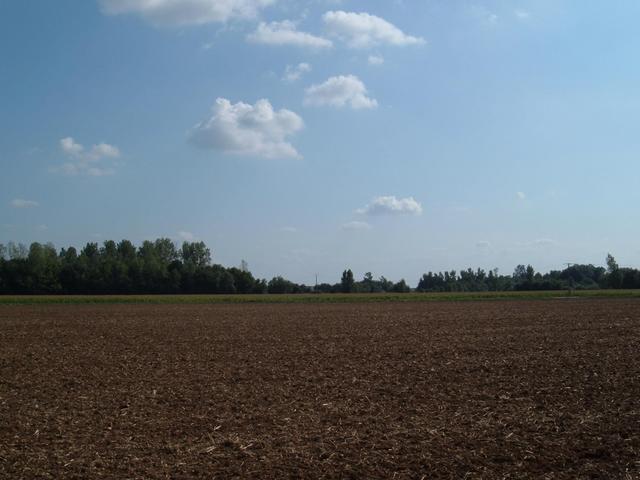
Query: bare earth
column 538, row 389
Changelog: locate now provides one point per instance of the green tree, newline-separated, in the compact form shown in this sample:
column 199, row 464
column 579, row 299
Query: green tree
column 196, row 254
column 401, row 287
column 615, row 277
column 347, row 283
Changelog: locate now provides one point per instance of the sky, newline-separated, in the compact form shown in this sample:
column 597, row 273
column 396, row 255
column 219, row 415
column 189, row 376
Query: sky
column 306, row 137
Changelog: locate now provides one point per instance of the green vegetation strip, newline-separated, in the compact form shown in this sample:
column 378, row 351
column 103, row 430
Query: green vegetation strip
column 308, row 298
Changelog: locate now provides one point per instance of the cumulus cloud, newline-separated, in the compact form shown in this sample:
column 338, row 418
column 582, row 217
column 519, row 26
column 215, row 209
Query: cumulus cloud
column 245, row 129
column 375, row 60
column 286, row 33
column 340, row 91
column 522, row 14
column 356, row 225
column 186, row 12
column 521, row 195
column 390, row 205
column 293, row 73
column 363, row 30
column 22, row 203
column 82, row 161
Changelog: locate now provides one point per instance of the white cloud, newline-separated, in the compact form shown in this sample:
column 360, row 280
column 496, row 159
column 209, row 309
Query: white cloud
column 286, row 33
column 186, row 12
column 293, row 73
column 186, row 236
column 375, row 60
column 356, row 225
column 22, row 203
column 390, row 205
column 522, row 14
column 104, row 150
column 483, row 245
column 245, row 129
column 339, row 92
column 86, row 162
column 289, row 229
column 362, row 30
column 521, row 195
column 70, row 147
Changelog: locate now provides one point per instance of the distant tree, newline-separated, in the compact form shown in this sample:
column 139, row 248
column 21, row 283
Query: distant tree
column 401, row 287
column 196, row 254
column 368, row 284
column 614, row 276
column 530, row 273
column 243, row 280
column 166, row 250
column 17, row 252
column 70, row 271
column 226, row 283
column 324, row 288
column 347, row 282
column 260, row 286
column 520, row 274
column 612, row 265
column 127, row 251
column 280, row 285
column 385, row 285
column 42, row 263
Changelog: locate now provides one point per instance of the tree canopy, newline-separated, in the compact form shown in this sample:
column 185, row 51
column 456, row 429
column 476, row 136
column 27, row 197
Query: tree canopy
column 161, row 266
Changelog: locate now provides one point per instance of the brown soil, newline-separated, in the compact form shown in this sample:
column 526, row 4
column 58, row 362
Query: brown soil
column 544, row 389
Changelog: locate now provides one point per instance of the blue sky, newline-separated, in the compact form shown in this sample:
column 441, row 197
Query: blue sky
column 394, row 137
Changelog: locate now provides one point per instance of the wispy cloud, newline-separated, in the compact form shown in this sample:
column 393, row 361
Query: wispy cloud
column 375, row 60
column 356, row 225
column 286, row 33
column 293, row 73
column 22, row 203
column 363, row 30
column 82, row 161
column 391, row 205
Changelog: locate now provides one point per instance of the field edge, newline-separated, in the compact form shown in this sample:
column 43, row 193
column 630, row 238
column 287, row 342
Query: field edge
column 310, row 298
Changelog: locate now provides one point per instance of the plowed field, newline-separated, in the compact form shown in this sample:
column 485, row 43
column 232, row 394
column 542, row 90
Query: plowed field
column 516, row 389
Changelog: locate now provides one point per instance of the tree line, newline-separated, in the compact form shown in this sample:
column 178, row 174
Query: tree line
column 162, row 267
